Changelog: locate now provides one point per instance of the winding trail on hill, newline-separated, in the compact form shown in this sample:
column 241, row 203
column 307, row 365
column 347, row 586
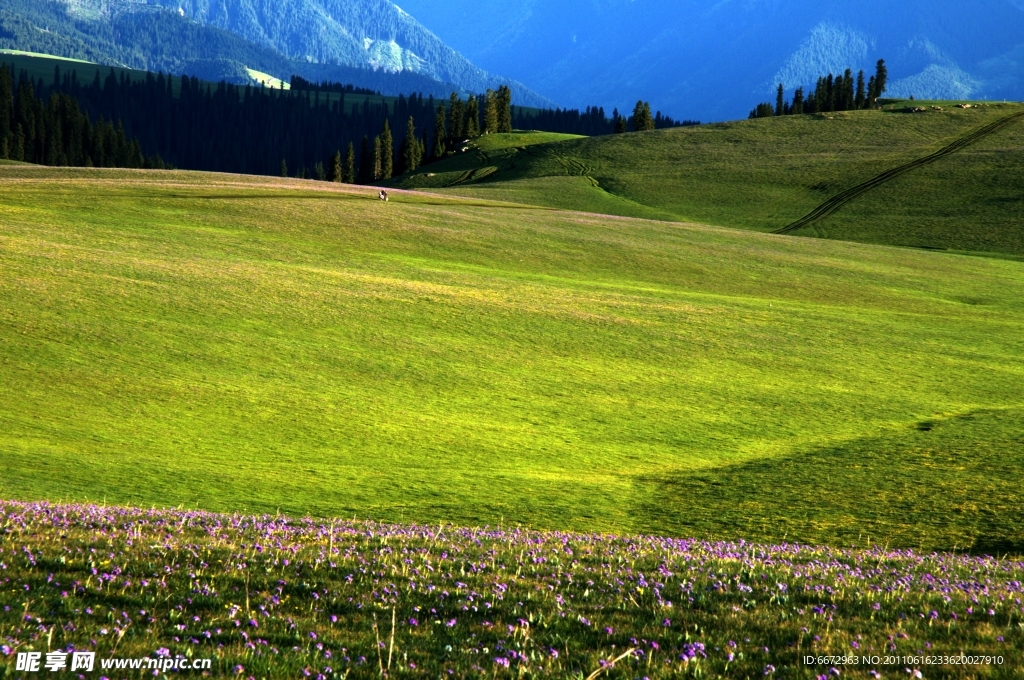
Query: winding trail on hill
column 839, row 200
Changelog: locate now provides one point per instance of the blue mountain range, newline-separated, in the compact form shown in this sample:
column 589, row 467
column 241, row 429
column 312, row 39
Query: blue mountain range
column 715, row 59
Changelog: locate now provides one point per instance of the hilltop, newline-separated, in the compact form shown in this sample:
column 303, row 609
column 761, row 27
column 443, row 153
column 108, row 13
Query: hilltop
column 764, row 174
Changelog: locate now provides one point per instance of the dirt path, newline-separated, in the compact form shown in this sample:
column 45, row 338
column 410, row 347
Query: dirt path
column 839, row 200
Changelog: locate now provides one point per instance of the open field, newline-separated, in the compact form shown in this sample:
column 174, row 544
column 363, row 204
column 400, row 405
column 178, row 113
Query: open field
column 764, row 174
column 238, row 343
column 270, row 597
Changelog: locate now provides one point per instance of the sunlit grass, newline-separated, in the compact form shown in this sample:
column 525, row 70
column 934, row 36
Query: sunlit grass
column 258, row 344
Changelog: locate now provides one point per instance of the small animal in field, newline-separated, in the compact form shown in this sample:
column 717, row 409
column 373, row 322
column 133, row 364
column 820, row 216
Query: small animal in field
column 383, row 196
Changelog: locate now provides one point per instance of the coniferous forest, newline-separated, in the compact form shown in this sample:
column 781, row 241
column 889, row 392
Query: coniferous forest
column 831, row 93
column 311, row 131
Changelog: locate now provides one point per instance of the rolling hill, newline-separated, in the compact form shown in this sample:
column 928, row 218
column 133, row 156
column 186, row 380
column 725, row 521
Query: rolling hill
column 236, row 343
column 765, row 174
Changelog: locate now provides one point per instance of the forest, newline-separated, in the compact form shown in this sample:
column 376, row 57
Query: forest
column 326, row 130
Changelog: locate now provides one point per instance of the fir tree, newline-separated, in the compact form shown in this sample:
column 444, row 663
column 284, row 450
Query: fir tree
column 504, row 109
column 335, row 173
column 410, row 147
column 619, row 123
column 378, row 160
column 861, row 97
column 387, row 152
column 319, row 172
column 490, row 113
column 456, row 121
column 348, row 170
column 472, row 126
column 440, row 133
column 848, row 94
column 780, row 101
column 870, row 103
column 642, row 119
column 284, row 168
column 798, row 101
column 881, row 79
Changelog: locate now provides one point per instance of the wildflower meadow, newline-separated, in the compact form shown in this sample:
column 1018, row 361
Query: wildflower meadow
column 276, row 597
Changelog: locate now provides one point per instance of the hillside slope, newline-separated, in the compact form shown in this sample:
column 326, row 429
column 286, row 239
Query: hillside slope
column 251, row 343
column 764, row 174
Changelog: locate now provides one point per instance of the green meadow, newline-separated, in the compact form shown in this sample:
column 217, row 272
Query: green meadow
column 764, row 174
column 238, row 343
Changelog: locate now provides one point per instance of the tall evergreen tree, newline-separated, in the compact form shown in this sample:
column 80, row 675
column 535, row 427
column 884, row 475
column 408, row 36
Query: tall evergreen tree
column 642, row 119
column 348, row 169
column 410, row 147
column 870, row 103
column 456, row 121
column 440, row 133
column 472, row 126
column 861, row 97
column 335, row 173
column 387, row 152
column 798, row 101
column 619, row 123
column 490, row 113
column 780, row 101
column 881, row 78
column 504, row 109
column 284, row 168
column 378, row 159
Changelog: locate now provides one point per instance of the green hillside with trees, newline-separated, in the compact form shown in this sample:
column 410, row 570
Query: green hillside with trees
column 766, row 173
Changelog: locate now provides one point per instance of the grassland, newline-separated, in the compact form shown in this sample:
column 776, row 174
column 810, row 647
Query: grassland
column 764, row 174
column 271, row 597
column 236, row 343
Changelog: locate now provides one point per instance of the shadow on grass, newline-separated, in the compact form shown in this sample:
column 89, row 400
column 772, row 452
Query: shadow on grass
column 940, row 484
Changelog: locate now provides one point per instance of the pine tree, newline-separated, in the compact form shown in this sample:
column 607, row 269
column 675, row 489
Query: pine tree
column 387, row 152
column 870, row 103
column 780, row 101
column 881, row 79
column 848, row 94
column 440, row 133
column 472, row 126
column 490, row 113
column 456, row 121
column 378, row 159
column 410, row 147
column 348, row 170
column 284, row 168
column 334, row 171
column 504, row 109
column 798, row 101
column 618, row 123
column 861, row 97
column 642, row 119
column 319, row 172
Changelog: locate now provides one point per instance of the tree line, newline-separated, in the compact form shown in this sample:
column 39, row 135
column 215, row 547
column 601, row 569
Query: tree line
column 51, row 129
column 313, row 131
column 830, row 93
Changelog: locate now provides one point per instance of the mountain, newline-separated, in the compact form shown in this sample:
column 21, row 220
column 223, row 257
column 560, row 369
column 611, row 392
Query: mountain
column 714, row 61
column 370, row 43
